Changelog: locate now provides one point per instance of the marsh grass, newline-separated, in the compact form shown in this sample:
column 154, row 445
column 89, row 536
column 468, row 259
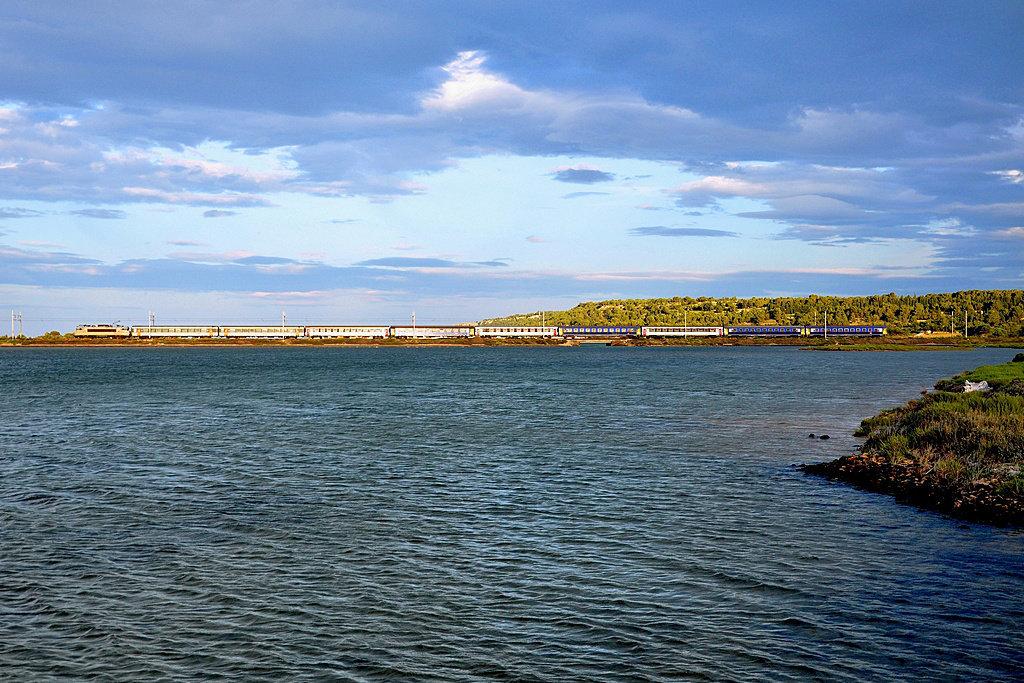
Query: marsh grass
column 961, row 438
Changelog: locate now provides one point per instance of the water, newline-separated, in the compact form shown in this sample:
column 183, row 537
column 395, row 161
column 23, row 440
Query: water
column 478, row 513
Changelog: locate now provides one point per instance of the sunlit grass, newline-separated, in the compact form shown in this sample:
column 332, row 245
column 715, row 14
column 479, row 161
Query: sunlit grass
column 959, row 437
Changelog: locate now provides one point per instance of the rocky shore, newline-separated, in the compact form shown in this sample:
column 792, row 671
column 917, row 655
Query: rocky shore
column 958, row 450
column 982, row 500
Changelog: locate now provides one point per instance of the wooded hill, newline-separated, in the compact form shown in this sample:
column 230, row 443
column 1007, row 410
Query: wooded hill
column 997, row 313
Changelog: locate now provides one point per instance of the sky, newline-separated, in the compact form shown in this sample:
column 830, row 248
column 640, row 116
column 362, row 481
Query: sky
column 228, row 162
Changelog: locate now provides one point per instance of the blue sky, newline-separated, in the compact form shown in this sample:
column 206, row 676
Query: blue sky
column 345, row 161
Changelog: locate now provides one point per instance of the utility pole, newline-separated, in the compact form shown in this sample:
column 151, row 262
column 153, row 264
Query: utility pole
column 414, row 320
column 21, row 326
column 284, row 319
column 825, row 328
column 951, row 322
column 12, row 323
column 965, row 323
column 152, row 318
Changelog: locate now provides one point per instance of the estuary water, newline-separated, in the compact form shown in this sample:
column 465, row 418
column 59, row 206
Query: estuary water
column 473, row 514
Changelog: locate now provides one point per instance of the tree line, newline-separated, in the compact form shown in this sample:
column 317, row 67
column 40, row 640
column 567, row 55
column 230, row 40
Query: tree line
column 997, row 313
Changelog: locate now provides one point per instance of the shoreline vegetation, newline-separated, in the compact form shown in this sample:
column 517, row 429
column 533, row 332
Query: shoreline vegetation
column 955, row 451
column 958, row 320
column 935, row 342
column 974, row 313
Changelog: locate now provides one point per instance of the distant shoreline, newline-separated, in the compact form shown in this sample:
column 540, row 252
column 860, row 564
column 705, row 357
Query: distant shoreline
column 840, row 344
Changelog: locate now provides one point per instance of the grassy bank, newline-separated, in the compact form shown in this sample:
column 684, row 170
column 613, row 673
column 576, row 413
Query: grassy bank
column 954, row 452
column 916, row 343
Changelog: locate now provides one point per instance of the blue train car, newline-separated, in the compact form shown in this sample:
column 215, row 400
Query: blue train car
column 847, row 330
column 764, row 330
column 594, row 331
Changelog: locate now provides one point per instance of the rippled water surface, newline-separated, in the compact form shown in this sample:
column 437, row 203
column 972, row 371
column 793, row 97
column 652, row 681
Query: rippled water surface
column 478, row 513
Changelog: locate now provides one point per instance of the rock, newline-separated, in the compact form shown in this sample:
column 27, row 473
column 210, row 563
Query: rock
column 824, row 436
column 810, row 436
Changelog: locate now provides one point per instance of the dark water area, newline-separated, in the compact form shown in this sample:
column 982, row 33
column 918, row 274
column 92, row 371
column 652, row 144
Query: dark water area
column 477, row 514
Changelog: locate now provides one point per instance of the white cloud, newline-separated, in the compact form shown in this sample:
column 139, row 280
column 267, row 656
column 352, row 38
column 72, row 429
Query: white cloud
column 224, row 257
column 721, row 186
column 948, row 227
column 764, row 181
column 1011, row 176
column 832, row 129
column 37, row 243
column 194, row 199
column 1009, row 209
column 218, row 170
column 470, row 86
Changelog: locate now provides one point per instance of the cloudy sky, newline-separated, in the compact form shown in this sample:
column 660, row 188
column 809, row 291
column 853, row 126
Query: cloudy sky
column 357, row 161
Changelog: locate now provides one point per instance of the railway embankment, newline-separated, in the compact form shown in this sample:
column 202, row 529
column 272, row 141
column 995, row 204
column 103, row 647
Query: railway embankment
column 53, row 339
column 958, row 450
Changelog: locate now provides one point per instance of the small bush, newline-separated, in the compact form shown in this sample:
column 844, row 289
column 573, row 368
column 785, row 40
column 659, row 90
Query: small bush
column 955, row 385
column 1013, row 388
column 1014, row 487
column 896, row 449
column 950, row 469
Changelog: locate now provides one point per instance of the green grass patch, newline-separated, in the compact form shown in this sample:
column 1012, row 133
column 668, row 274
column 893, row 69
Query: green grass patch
column 996, row 375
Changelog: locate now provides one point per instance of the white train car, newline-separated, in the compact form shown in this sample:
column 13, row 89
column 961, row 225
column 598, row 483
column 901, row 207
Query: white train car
column 499, row 331
column 183, row 332
column 102, row 331
column 433, row 331
column 263, row 332
column 348, row 331
column 676, row 331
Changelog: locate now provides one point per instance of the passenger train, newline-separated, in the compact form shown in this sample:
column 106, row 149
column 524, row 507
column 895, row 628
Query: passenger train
column 468, row 331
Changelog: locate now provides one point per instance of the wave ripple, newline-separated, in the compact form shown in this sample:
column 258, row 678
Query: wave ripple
column 470, row 514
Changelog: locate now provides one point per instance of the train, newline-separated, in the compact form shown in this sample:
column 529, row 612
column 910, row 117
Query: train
column 469, row 331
